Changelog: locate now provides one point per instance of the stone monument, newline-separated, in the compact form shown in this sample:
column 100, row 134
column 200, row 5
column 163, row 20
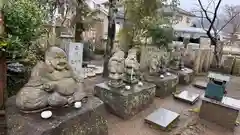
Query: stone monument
column 158, row 74
column 185, row 75
column 53, row 86
column 131, row 67
column 124, row 95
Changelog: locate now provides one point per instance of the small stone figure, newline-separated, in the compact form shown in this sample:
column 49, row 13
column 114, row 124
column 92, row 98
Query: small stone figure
column 163, row 64
column 131, row 67
column 154, row 65
column 52, row 84
column 116, row 69
column 158, row 65
column 176, row 61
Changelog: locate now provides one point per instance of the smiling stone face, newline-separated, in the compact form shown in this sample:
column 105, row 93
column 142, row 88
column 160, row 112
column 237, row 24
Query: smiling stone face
column 56, row 58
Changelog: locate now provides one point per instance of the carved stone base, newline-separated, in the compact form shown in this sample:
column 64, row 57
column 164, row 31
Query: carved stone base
column 65, row 121
column 126, row 103
column 165, row 86
column 185, row 76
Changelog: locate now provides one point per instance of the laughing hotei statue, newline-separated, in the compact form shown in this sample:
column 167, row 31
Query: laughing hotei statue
column 177, row 66
column 116, row 69
column 54, row 86
column 131, row 67
column 135, row 96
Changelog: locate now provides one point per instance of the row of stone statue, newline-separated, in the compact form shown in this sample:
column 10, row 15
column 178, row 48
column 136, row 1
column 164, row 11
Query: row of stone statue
column 54, row 84
column 158, row 64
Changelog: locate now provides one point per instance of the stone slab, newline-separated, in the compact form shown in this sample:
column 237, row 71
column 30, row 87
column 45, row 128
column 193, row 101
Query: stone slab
column 162, row 118
column 185, row 76
column 200, row 84
column 164, row 86
column 65, row 121
column 187, row 96
column 126, row 103
column 223, row 113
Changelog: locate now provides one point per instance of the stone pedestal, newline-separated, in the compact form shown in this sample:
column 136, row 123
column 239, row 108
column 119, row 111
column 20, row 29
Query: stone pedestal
column 223, row 113
column 126, row 103
column 185, row 76
column 164, row 86
column 65, row 121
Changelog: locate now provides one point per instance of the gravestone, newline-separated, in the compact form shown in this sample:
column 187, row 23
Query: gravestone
column 227, row 63
column 187, row 96
column 162, row 118
column 205, row 42
column 75, row 56
column 236, row 66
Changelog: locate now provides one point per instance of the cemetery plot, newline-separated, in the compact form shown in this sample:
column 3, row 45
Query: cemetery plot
column 187, row 96
column 162, row 118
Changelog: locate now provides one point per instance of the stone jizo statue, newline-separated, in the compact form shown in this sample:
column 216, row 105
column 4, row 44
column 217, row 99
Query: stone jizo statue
column 154, row 65
column 176, row 60
column 116, row 69
column 163, row 64
column 52, row 84
column 132, row 67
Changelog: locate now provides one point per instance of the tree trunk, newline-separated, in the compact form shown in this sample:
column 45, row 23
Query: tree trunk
column 111, row 36
column 78, row 32
column 3, row 70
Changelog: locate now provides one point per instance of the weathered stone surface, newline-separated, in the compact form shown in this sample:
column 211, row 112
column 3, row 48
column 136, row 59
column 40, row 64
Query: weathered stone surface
column 185, row 76
column 162, row 118
column 220, row 113
column 164, row 86
column 65, row 121
column 126, row 103
column 236, row 66
column 227, row 64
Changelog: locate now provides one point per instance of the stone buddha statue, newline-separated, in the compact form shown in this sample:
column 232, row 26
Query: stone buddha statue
column 154, row 65
column 176, row 60
column 158, row 65
column 131, row 67
column 116, row 69
column 52, row 84
column 163, row 64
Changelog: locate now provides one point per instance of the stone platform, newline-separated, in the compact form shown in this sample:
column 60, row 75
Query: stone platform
column 223, row 113
column 126, row 103
column 162, row 118
column 185, row 76
column 164, row 86
column 64, row 121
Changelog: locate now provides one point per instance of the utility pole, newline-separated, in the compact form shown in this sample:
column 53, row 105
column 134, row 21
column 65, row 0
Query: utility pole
column 111, row 35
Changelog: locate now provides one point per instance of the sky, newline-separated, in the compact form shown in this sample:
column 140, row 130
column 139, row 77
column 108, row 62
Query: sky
column 191, row 4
